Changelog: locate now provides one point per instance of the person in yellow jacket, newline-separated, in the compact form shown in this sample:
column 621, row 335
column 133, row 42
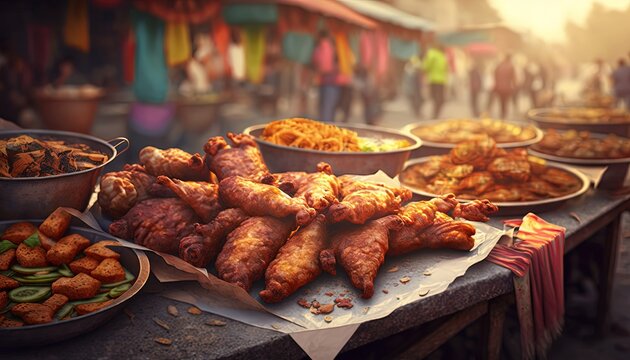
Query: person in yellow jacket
column 435, row 67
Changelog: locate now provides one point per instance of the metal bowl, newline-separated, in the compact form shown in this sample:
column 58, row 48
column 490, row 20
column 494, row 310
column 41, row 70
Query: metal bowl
column 542, row 118
column 280, row 158
column 440, row 148
column 35, row 335
column 36, row 197
column 514, row 207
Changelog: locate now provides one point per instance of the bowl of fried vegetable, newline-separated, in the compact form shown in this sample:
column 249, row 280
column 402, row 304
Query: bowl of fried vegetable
column 41, row 170
column 58, row 281
column 298, row 144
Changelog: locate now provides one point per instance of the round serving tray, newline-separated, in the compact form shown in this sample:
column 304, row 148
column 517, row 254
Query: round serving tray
column 580, row 161
column 280, row 158
column 619, row 127
column 439, row 148
column 35, row 335
column 515, row 207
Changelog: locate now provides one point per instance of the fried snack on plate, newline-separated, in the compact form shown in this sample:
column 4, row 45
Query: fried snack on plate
column 251, row 247
column 61, row 254
column 4, row 299
column 421, row 214
column 202, row 197
column 81, row 286
column 319, row 189
column 6, row 259
column 33, row 313
column 18, row 232
column 121, row 190
column 84, row 265
column 158, row 224
column 77, row 240
column 361, row 249
column 203, row 245
column 83, row 309
column 56, row 224
column 9, row 323
column 56, row 302
column 174, row 163
column 263, row 200
column 243, row 159
column 109, row 271
column 7, row 283
column 297, row 262
column 31, row 256
column 100, row 251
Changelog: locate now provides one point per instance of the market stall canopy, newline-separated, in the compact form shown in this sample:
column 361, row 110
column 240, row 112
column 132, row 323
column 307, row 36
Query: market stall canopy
column 389, row 14
column 189, row 11
column 500, row 35
column 330, row 8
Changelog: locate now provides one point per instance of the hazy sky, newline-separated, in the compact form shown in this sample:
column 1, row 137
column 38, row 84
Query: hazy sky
column 546, row 18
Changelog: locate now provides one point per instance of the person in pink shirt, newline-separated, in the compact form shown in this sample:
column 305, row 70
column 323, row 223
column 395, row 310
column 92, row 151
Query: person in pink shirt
column 325, row 65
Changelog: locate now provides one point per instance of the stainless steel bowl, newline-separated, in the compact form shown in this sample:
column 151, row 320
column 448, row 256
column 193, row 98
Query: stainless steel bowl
column 514, row 207
column 36, row 197
column 280, row 158
column 439, row 148
column 542, row 118
column 34, row 335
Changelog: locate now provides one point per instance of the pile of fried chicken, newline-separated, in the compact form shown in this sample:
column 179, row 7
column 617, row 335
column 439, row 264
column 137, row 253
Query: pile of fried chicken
column 226, row 209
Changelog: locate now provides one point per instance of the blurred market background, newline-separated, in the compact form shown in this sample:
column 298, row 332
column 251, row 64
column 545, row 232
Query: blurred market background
column 174, row 72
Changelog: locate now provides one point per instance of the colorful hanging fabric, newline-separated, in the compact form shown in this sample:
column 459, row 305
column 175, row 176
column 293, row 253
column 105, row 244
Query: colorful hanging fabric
column 221, row 38
column 129, row 57
column 382, row 55
column 151, row 78
column 177, row 42
column 236, row 55
column 39, row 47
column 298, row 47
column 254, row 37
column 76, row 30
column 366, row 47
column 345, row 58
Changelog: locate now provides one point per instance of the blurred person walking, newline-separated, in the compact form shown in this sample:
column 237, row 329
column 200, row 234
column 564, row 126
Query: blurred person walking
column 325, row 64
column 504, row 84
column 435, row 66
column 476, row 84
column 413, row 85
column 621, row 83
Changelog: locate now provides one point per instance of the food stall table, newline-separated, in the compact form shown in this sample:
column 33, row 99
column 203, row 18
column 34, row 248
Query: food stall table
column 481, row 292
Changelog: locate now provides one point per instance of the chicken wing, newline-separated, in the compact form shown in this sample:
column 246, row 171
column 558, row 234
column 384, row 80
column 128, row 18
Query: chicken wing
column 243, row 160
column 361, row 251
column 362, row 201
column 157, row 223
column 250, row 248
column 121, row 190
column 263, row 200
column 476, row 210
column 202, row 246
column 297, row 262
column 443, row 233
column 421, row 214
column 201, row 196
column 319, row 189
column 174, row 163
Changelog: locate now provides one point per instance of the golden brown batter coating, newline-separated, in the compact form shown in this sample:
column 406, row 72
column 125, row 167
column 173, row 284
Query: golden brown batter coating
column 320, row 189
column 443, row 233
column 263, row 200
column 250, row 248
column 297, row 262
column 174, row 163
column 121, row 190
column 244, row 159
column 420, row 214
column 203, row 245
column 158, row 224
column 361, row 251
column 201, row 196
column 476, row 210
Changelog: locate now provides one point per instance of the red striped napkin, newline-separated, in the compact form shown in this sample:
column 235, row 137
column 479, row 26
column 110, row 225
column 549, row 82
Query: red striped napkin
column 537, row 260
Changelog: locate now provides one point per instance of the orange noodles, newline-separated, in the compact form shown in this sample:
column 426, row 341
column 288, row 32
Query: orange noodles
column 310, row 134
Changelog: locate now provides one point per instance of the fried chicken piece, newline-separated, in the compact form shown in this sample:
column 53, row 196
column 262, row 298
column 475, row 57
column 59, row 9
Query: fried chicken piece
column 361, row 251
column 263, row 200
column 202, row 197
column 203, row 245
column 174, row 163
column 250, row 248
column 158, row 224
column 244, row 159
column 363, row 200
column 443, row 233
column 297, row 262
column 476, row 210
column 121, row 190
column 421, row 214
column 319, row 189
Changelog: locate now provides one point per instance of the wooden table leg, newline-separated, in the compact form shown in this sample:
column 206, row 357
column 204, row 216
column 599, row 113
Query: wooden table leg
column 607, row 275
column 493, row 327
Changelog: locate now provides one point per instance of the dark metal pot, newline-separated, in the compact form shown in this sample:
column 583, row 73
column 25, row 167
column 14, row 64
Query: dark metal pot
column 37, row 197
